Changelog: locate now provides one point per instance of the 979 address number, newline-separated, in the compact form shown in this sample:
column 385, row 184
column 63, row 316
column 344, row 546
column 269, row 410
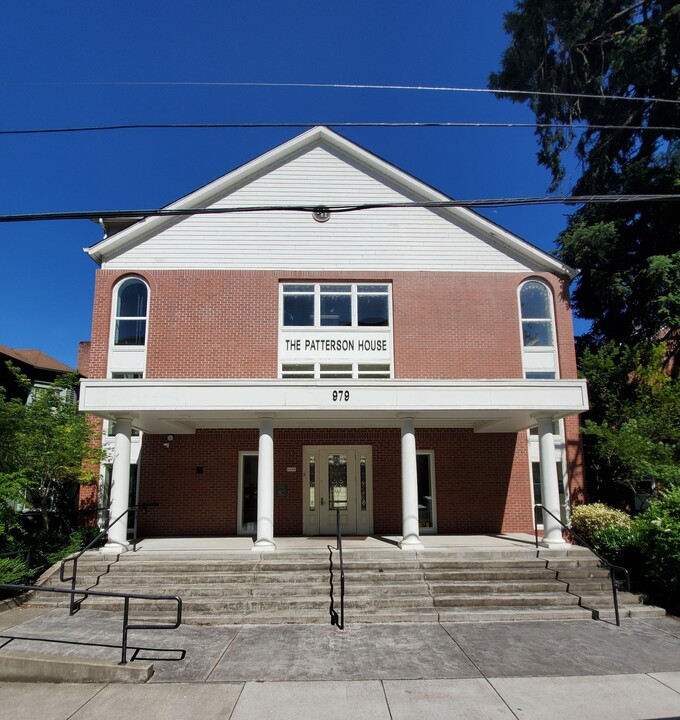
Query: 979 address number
column 340, row 395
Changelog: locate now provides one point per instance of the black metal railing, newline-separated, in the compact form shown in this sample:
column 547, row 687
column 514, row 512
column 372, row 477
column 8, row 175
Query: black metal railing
column 126, row 608
column 613, row 569
column 75, row 604
column 337, row 620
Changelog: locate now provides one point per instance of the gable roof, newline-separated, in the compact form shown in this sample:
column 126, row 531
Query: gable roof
column 318, row 136
column 36, row 358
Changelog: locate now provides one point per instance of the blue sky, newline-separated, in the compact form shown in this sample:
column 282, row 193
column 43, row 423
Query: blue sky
column 66, row 64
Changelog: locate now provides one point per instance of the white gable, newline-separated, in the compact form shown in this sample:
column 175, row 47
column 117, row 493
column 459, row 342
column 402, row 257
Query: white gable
column 320, row 173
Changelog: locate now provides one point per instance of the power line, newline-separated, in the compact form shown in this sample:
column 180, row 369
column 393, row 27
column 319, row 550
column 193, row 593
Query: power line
column 97, row 215
column 358, row 86
column 189, row 126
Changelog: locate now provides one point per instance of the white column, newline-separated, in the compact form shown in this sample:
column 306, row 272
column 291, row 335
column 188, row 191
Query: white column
column 409, row 488
column 550, row 489
column 265, row 488
column 120, row 485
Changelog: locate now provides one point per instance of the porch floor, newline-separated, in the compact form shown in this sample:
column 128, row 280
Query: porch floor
column 507, row 542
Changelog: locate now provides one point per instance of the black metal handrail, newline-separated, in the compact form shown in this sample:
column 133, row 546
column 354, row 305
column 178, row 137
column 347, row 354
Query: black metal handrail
column 126, row 608
column 603, row 561
column 75, row 604
column 338, row 621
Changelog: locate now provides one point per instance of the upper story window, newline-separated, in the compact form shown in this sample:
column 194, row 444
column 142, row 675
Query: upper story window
column 335, row 330
column 131, row 308
column 537, row 324
column 335, row 305
column 539, row 351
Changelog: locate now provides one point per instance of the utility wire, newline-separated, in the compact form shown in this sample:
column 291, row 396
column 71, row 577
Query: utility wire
column 358, row 86
column 187, row 126
column 97, row 215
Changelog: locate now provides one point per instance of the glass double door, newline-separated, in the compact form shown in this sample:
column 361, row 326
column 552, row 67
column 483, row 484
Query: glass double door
column 338, row 479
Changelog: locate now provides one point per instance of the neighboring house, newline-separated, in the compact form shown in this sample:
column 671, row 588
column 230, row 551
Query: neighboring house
column 41, row 369
column 390, row 363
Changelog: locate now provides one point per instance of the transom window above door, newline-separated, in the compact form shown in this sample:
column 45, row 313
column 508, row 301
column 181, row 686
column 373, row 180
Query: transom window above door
column 335, row 305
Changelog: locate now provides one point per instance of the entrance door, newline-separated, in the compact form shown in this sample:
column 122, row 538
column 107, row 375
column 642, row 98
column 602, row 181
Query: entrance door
column 337, row 491
column 338, row 478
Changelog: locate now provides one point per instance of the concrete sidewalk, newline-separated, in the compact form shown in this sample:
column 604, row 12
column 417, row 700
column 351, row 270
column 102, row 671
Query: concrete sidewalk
column 569, row 669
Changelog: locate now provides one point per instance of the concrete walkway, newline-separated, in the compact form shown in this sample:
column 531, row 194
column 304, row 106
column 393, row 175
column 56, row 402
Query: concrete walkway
column 568, row 669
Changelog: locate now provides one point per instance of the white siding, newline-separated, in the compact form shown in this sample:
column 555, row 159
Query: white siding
column 389, row 239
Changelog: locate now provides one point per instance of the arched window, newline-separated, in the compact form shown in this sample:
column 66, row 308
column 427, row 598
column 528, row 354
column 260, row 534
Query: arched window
column 536, row 316
column 131, row 309
column 538, row 331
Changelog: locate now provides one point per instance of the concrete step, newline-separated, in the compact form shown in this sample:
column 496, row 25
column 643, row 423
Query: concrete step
column 536, row 613
column 291, row 605
column 490, row 587
column 381, row 586
column 517, row 573
column 505, row 599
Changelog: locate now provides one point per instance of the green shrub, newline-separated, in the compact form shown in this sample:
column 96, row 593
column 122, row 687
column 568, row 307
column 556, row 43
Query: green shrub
column 75, row 542
column 658, row 531
column 13, row 570
column 587, row 520
column 618, row 544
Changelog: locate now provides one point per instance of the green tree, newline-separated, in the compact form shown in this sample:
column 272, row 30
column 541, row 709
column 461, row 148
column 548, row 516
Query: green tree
column 577, row 56
column 628, row 253
column 48, row 446
column 11, row 485
column 632, row 434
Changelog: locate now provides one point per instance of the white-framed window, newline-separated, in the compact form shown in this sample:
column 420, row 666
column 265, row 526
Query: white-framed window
column 130, row 312
column 335, row 305
column 247, row 492
column 335, row 330
column 537, row 325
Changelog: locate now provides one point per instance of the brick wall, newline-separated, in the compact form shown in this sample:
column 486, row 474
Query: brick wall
column 224, row 324
column 482, row 480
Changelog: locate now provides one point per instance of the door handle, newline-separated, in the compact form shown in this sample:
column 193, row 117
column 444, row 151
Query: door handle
column 322, row 502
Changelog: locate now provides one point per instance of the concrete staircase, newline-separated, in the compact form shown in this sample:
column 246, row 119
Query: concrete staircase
column 447, row 585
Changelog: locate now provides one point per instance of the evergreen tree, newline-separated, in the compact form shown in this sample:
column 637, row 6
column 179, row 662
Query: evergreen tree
column 629, row 254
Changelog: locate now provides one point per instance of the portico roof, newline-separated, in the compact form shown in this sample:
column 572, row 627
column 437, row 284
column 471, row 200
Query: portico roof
column 184, row 406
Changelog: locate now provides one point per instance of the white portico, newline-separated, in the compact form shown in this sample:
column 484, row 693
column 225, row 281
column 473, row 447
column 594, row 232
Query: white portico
column 180, row 407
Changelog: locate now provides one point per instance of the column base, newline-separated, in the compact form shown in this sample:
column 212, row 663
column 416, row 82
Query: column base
column 411, row 543
column 546, row 543
column 113, row 546
column 264, row 546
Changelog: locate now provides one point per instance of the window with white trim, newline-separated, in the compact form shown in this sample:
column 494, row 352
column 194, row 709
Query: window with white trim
column 131, row 312
column 335, row 305
column 539, row 347
column 335, row 330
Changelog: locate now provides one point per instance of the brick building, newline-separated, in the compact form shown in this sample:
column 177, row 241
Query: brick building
column 413, row 367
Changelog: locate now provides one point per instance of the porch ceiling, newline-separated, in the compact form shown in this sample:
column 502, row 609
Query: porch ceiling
column 184, row 406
